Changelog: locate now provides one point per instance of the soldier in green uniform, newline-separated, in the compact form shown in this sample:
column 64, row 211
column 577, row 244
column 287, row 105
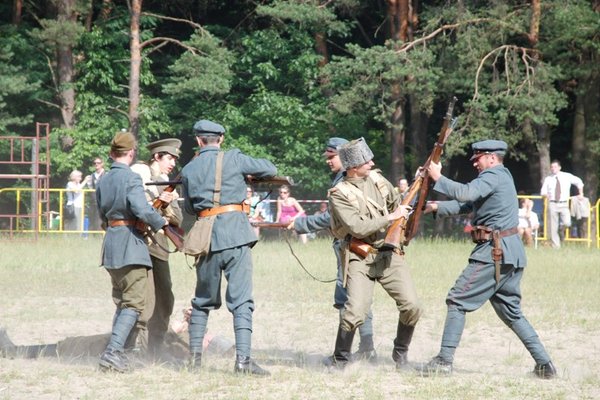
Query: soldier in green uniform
column 496, row 263
column 122, row 206
column 362, row 207
column 154, row 321
column 214, row 190
column 312, row 223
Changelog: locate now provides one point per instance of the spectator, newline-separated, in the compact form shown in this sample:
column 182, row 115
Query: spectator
column 528, row 221
column 254, row 202
column 91, row 182
column 580, row 211
column 402, row 188
column 288, row 209
column 556, row 189
column 75, row 197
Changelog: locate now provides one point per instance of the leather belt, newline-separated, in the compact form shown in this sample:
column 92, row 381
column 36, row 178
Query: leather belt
column 509, row 232
column 224, row 209
column 556, row 201
column 139, row 225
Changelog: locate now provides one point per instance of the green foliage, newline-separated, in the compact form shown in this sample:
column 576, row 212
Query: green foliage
column 307, row 15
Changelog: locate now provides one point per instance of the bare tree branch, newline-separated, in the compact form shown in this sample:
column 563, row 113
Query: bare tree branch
column 186, row 21
column 162, row 41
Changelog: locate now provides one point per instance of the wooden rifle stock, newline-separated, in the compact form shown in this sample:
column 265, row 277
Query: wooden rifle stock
column 403, row 230
column 273, row 225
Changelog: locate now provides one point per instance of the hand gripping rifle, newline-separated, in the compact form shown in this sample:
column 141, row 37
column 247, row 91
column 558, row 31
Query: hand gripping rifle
column 401, row 231
column 174, row 233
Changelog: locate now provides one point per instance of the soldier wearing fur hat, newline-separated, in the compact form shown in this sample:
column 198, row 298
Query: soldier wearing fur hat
column 122, row 206
column 312, row 223
column 153, row 323
column 214, row 190
column 362, row 207
column 496, row 263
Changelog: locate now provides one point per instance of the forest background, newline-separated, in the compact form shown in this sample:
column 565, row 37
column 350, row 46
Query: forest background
column 283, row 76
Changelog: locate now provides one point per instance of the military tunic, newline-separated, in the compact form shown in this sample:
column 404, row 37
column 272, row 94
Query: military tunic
column 231, row 239
column 311, row 223
column 120, row 196
column 360, row 218
column 492, row 198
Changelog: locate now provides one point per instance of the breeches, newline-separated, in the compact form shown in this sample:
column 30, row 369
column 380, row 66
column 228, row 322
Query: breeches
column 476, row 285
column 236, row 265
column 129, row 285
column 390, row 270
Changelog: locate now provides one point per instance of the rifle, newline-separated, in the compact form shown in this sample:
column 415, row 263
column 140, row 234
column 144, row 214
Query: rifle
column 174, row 233
column 274, row 225
column 250, row 179
column 403, row 230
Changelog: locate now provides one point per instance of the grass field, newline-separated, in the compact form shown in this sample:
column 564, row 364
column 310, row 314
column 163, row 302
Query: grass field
column 53, row 288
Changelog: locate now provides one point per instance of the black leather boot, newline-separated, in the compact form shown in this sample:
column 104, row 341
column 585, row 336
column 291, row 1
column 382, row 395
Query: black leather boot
column 545, row 371
column 195, row 362
column 245, row 365
column 343, row 349
column 366, row 350
column 114, row 360
column 404, row 335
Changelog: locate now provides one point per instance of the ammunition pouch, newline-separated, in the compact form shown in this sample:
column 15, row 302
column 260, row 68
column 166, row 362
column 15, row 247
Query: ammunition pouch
column 481, row 234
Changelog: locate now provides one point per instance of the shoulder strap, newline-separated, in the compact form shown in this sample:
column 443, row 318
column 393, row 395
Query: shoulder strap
column 218, row 177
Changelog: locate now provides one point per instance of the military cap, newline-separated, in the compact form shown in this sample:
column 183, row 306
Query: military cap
column 205, row 127
column 488, row 147
column 123, row 141
column 170, row 146
column 332, row 145
column 354, row 153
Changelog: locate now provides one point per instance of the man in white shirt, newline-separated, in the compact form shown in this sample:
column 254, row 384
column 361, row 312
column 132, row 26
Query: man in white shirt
column 556, row 188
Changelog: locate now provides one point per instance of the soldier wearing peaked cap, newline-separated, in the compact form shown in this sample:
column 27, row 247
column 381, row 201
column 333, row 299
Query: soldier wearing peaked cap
column 362, row 206
column 497, row 262
column 214, row 190
column 121, row 205
column 312, row 223
column 153, row 323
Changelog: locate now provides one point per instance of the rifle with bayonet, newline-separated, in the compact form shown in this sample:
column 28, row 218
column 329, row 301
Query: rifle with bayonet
column 402, row 230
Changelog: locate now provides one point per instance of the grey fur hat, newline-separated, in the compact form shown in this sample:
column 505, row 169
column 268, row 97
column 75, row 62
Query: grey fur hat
column 354, row 153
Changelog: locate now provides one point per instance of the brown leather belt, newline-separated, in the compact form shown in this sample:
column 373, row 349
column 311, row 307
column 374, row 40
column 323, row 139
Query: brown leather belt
column 482, row 234
column 224, row 209
column 140, row 225
column 121, row 222
column 508, row 232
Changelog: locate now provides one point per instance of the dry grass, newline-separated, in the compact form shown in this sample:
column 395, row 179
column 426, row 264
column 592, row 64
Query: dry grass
column 53, row 288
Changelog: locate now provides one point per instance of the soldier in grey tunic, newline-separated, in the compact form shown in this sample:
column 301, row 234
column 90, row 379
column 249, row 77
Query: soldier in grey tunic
column 230, row 242
column 122, row 206
column 492, row 198
column 312, row 223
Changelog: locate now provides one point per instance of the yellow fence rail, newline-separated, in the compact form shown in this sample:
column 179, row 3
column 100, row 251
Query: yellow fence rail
column 23, row 218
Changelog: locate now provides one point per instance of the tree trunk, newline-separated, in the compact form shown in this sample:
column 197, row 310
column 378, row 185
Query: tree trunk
column 64, row 57
column 136, row 62
column 534, row 24
column 400, row 17
column 419, row 123
column 543, row 149
column 533, row 159
column 107, row 6
column 397, row 135
column 17, row 12
column 591, row 157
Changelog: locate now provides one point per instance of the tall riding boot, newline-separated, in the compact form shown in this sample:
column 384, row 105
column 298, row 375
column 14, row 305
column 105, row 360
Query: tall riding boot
column 197, row 329
column 113, row 357
column 404, row 334
column 343, row 348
